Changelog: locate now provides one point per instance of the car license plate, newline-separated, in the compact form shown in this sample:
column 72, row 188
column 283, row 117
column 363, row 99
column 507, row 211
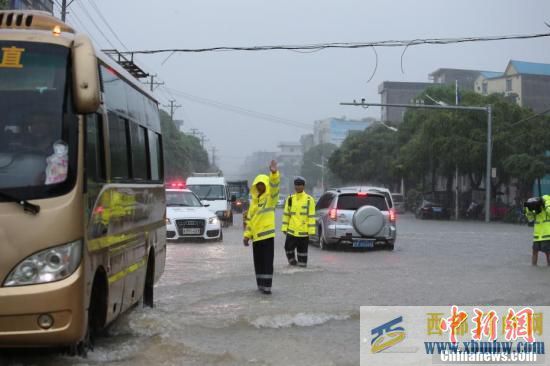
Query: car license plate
column 363, row 243
column 437, row 209
column 190, row 231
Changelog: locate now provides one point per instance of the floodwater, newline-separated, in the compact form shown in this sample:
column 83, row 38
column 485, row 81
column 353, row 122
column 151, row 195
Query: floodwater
column 208, row 311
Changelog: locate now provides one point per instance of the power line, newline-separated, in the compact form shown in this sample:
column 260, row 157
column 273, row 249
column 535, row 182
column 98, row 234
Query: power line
column 530, row 118
column 96, row 8
column 83, row 26
column 240, row 110
column 81, row 4
column 173, row 106
column 347, row 45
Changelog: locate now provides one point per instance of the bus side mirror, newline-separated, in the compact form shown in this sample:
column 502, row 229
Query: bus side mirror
column 85, row 75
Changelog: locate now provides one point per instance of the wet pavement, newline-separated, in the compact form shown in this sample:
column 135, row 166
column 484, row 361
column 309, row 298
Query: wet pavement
column 208, row 311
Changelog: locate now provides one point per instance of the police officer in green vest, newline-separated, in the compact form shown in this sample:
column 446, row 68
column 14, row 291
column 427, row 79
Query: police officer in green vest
column 537, row 209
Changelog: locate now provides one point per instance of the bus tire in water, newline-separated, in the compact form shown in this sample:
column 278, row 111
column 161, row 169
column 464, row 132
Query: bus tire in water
column 149, row 288
column 97, row 315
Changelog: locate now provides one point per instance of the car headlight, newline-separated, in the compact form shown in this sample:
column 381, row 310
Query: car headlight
column 49, row 265
column 168, row 222
column 213, row 220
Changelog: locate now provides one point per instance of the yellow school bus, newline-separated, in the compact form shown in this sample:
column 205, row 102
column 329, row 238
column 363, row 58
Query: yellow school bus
column 82, row 204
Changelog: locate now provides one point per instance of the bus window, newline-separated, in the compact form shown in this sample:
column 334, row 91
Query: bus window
column 95, row 164
column 139, row 152
column 119, row 148
column 155, row 156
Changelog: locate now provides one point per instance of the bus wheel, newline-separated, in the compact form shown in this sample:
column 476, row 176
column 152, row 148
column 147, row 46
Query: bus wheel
column 81, row 348
column 148, row 291
column 95, row 320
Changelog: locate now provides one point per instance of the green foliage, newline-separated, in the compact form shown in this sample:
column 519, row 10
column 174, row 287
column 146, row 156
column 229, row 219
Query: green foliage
column 433, row 143
column 367, row 157
column 4, row 4
column 183, row 154
column 311, row 171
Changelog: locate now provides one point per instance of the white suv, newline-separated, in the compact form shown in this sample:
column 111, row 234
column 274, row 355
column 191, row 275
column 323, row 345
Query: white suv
column 357, row 217
column 187, row 218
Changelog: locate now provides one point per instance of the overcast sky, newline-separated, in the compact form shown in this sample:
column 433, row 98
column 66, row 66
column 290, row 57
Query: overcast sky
column 295, row 86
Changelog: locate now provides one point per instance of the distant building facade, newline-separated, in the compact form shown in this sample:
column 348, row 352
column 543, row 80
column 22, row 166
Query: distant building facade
column 44, row 5
column 466, row 78
column 335, row 130
column 397, row 92
column 289, row 158
column 526, row 83
column 307, row 142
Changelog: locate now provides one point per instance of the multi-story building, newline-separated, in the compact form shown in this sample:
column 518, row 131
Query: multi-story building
column 335, row 130
column 289, row 158
column 397, row 92
column 466, row 78
column 307, row 142
column 393, row 92
column 526, row 83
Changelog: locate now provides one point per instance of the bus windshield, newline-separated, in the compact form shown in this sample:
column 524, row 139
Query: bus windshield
column 208, row 192
column 32, row 95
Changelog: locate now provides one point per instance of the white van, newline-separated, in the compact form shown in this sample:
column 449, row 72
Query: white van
column 211, row 188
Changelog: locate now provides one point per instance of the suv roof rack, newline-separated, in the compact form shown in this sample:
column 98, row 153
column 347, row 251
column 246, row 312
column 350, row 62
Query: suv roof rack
column 214, row 174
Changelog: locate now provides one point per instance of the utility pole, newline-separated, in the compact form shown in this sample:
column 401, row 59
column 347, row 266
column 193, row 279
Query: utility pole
column 64, row 7
column 457, row 191
column 487, row 109
column 63, row 10
column 214, row 156
column 154, row 84
column 203, row 139
column 173, row 107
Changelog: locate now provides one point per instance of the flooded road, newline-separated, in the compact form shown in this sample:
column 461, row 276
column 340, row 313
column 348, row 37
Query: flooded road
column 208, row 311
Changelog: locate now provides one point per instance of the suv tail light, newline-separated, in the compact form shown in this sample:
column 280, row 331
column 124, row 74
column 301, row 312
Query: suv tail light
column 362, row 194
column 393, row 216
column 333, row 214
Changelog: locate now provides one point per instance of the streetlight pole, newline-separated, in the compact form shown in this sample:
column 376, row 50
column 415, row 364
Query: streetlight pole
column 487, row 109
column 489, row 163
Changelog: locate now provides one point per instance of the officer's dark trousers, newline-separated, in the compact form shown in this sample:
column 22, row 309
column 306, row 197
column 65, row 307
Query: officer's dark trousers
column 263, row 251
column 298, row 244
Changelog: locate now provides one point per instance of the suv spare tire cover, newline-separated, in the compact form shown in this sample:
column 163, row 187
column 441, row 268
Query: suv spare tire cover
column 368, row 220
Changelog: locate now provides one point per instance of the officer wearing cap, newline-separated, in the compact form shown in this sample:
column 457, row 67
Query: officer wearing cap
column 298, row 223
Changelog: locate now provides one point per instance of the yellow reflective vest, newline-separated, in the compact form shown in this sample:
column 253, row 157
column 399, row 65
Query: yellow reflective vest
column 260, row 218
column 299, row 217
column 541, row 231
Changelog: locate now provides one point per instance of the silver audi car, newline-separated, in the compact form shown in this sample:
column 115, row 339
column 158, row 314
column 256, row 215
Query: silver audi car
column 355, row 217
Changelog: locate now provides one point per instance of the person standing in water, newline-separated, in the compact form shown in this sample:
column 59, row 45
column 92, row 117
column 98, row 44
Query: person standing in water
column 260, row 225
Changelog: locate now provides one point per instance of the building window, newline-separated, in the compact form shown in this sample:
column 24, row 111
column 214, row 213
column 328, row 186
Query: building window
column 508, row 84
column 484, row 88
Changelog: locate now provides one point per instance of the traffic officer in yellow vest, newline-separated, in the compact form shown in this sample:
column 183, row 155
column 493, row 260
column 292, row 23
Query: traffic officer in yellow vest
column 537, row 209
column 260, row 225
column 298, row 223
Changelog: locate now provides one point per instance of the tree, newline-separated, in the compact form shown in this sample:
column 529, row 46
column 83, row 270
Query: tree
column 438, row 142
column 368, row 157
column 183, row 154
column 4, row 4
column 317, row 155
column 433, row 143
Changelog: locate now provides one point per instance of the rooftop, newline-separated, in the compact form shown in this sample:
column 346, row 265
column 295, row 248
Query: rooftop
column 531, row 68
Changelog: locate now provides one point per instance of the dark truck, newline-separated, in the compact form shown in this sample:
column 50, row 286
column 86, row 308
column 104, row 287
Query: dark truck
column 239, row 189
